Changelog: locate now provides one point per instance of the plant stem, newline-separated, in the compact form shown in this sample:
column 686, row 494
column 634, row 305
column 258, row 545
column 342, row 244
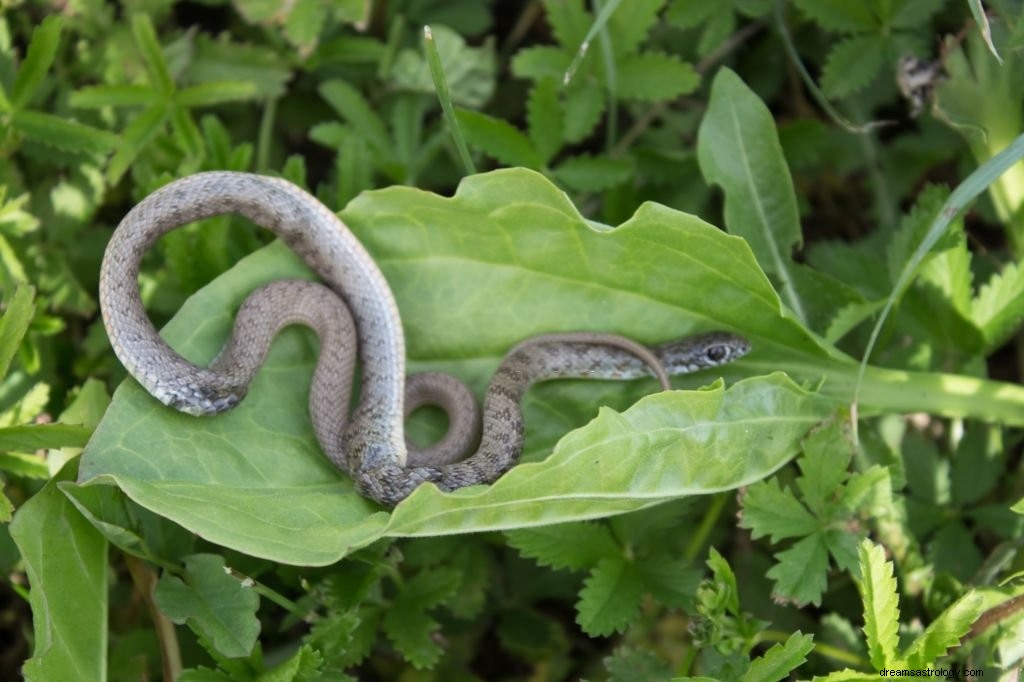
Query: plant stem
column 144, row 579
column 825, row 650
column 700, row 536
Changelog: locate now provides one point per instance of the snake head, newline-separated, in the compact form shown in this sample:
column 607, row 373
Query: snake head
column 702, row 351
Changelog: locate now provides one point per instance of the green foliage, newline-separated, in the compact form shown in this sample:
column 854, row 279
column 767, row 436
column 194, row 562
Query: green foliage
column 682, row 535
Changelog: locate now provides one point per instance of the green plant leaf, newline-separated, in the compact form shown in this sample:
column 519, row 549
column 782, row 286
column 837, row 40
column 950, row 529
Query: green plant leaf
column 569, row 22
column 575, row 546
column 66, row 562
column 539, row 62
column 544, row 116
column 217, row 606
column 827, row 454
column 354, row 108
column 41, row 51
column 30, row 437
column 99, row 96
column 498, row 138
column 738, row 149
column 852, row 63
column 770, row 510
column 881, row 604
column 221, row 60
column 593, row 173
column 999, row 306
column 630, row 25
column 801, row 574
column 215, row 92
column 63, row 133
column 255, row 480
column 409, row 625
column 469, row 71
column 839, row 15
column 610, row 597
column 584, row 108
column 776, row 663
column 945, row 631
column 139, row 132
column 18, row 312
column 152, row 54
column 629, row 665
column 654, row 77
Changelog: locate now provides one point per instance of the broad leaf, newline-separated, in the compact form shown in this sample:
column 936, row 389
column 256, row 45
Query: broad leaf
column 66, row 562
column 610, row 597
column 217, row 606
column 255, row 480
column 738, row 148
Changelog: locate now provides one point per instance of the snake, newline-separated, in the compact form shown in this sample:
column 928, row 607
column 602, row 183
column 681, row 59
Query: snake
column 355, row 316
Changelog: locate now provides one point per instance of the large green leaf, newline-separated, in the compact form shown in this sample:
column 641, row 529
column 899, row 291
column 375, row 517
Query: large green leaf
column 507, row 257
column 66, row 562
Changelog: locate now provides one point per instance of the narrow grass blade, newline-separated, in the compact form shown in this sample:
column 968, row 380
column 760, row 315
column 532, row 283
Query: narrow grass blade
column 444, row 96
column 976, row 183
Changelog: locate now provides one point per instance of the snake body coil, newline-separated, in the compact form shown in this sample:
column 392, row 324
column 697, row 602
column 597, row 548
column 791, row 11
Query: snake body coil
column 370, row 446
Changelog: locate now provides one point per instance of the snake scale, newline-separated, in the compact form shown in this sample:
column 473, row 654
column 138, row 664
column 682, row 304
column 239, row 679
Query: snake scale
column 354, row 313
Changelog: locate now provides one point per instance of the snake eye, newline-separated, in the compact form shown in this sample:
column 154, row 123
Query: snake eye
column 717, row 354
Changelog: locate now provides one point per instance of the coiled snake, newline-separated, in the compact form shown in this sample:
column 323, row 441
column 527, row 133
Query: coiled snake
column 370, row 446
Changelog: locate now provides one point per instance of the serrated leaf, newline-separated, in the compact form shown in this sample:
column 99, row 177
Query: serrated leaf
column 539, row 62
column 41, row 51
column 354, row 108
column 827, row 454
column 770, row 510
column 303, row 666
column 17, row 315
column 690, row 13
column 217, row 606
column 186, row 132
column 610, row 597
column 724, row 579
column 945, row 631
column 544, row 118
column 569, row 21
column 629, row 26
column 881, row 604
column 408, row 623
column 221, row 60
column 576, row 546
column 98, row 96
column 839, row 15
column 215, row 92
column 584, row 108
column 849, row 317
column 852, row 64
column 498, row 138
column 911, row 14
column 636, row 665
column 66, row 563
column 139, row 132
column 654, row 77
column 593, row 173
column 738, row 148
column 999, row 306
column 776, row 663
column 801, row 572
column 63, row 133
column 468, row 71
column 152, row 54
column 673, row 582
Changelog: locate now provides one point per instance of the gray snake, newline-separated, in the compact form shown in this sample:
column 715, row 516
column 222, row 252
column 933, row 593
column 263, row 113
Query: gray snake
column 370, row 445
